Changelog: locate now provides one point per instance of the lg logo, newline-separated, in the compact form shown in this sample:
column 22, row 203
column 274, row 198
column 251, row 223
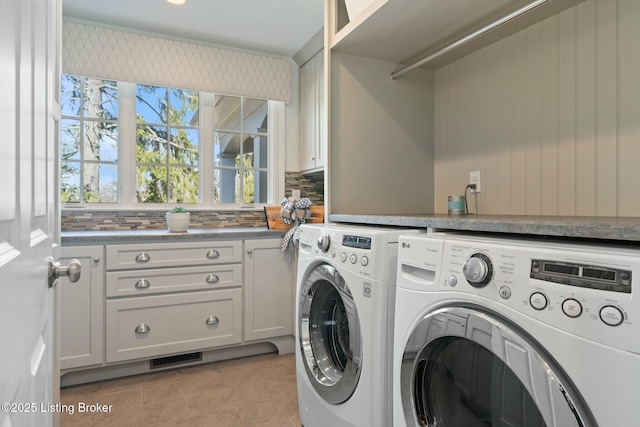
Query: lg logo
column 405, row 245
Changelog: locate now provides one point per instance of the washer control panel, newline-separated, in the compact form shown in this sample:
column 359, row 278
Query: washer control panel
column 584, row 276
column 584, row 290
column 366, row 251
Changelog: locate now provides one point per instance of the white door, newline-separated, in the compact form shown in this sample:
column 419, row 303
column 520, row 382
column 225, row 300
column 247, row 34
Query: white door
column 28, row 232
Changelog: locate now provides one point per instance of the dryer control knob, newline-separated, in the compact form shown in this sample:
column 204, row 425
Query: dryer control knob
column 324, row 242
column 478, row 270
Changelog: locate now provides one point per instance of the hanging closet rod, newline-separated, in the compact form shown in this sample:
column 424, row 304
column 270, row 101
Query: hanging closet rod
column 475, row 34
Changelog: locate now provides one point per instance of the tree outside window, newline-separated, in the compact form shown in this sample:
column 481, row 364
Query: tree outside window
column 161, row 144
column 166, row 145
column 89, row 140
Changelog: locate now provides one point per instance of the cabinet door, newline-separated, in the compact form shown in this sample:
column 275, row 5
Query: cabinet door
column 268, row 290
column 321, row 112
column 81, row 309
column 308, row 121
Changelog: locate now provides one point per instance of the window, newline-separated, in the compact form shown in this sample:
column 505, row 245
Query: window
column 89, row 141
column 240, row 150
column 166, row 145
column 137, row 145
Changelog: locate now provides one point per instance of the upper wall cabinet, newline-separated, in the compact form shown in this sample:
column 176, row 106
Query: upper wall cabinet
column 313, row 128
column 404, row 31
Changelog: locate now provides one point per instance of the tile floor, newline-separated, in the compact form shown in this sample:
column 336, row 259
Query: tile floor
column 252, row 391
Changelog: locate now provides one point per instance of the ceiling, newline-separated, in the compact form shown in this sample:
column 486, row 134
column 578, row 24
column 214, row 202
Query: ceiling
column 278, row 27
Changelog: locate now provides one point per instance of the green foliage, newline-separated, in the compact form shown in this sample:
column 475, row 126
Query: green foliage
column 178, row 209
column 167, row 157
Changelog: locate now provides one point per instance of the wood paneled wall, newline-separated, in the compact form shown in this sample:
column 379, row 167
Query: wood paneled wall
column 549, row 115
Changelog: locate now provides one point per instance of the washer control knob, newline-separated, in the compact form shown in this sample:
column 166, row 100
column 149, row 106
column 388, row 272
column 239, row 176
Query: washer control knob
column 324, row 241
column 364, row 261
column 538, row 300
column 478, row 270
column 353, row 258
column 572, row 307
column 343, row 257
column 452, row 280
column 611, row 315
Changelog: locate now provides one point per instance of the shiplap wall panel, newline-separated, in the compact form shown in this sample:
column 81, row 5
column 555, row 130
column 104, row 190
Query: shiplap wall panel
column 505, row 106
column 549, row 132
column 519, row 123
column 549, row 115
column 566, row 112
column 492, row 146
column 629, row 104
column 533, row 100
column 586, row 111
column 607, row 113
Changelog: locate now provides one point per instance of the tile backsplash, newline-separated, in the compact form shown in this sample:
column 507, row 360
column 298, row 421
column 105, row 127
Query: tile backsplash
column 88, row 220
column 311, row 186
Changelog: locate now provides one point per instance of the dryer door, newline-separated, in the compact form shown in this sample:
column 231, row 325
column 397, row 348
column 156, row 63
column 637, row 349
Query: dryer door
column 330, row 336
column 464, row 366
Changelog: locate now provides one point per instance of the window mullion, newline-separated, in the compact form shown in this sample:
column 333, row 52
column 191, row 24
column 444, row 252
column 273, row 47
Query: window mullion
column 127, row 143
column 205, row 163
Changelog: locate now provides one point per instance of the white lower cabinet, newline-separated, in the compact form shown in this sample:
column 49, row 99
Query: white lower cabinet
column 163, row 324
column 81, row 308
column 161, row 299
column 168, row 298
column 268, row 290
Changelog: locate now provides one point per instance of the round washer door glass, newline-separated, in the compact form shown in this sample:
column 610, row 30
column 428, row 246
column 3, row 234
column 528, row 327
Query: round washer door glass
column 463, row 367
column 330, row 336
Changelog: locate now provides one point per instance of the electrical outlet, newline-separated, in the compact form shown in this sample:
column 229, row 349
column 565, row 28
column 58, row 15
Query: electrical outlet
column 295, row 193
column 474, row 178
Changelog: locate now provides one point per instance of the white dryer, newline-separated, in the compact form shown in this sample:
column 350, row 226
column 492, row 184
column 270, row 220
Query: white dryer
column 500, row 332
column 346, row 291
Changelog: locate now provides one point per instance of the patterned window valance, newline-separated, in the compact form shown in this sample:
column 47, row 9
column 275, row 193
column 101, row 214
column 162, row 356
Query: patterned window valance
column 113, row 54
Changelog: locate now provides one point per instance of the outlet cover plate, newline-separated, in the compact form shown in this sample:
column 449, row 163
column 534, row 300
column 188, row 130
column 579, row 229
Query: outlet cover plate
column 474, row 178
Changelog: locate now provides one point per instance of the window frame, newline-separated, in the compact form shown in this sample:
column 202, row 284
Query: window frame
column 242, row 132
column 126, row 164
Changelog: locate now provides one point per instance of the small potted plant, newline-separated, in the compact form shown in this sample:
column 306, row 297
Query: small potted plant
column 178, row 219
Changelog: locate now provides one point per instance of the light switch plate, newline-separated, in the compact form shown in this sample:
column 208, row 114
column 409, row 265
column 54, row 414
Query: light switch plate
column 295, row 193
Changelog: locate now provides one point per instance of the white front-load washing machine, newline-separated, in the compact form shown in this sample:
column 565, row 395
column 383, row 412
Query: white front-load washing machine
column 500, row 332
column 344, row 326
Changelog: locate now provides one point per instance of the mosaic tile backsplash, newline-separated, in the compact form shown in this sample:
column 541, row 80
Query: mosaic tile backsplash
column 311, row 186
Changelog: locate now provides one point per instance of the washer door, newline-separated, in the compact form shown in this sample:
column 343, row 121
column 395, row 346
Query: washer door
column 330, row 337
column 463, row 366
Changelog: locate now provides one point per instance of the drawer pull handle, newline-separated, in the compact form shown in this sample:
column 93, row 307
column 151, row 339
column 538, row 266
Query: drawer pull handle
column 143, row 257
column 213, row 278
column 250, row 251
column 142, row 328
column 213, row 254
column 212, row 320
column 142, row 284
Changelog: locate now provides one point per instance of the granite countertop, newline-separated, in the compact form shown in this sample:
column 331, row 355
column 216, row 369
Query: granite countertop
column 607, row 228
column 71, row 238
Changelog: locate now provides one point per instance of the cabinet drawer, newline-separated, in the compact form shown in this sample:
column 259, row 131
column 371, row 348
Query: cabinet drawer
column 163, row 280
column 129, row 257
column 158, row 325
